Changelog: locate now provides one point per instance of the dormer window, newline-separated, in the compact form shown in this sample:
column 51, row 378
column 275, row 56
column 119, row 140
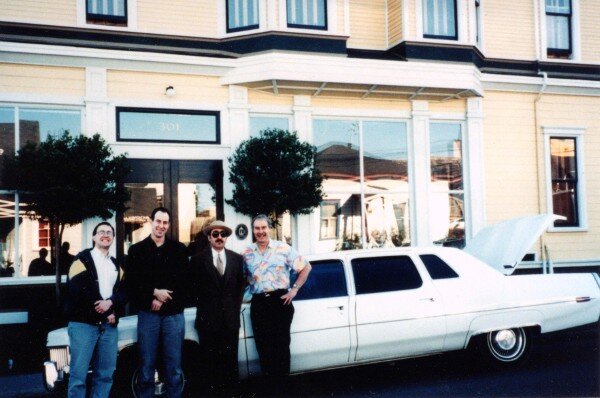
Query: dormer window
column 242, row 15
column 106, row 12
column 307, row 14
column 439, row 19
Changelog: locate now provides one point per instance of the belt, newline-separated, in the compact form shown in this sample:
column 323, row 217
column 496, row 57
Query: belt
column 272, row 293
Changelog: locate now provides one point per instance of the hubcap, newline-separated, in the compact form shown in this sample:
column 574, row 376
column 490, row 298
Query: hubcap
column 506, row 339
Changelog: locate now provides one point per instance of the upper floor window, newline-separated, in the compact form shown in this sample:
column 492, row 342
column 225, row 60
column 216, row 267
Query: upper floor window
column 109, row 12
column 478, row 22
column 307, row 14
column 242, row 15
column 558, row 28
column 439, row 19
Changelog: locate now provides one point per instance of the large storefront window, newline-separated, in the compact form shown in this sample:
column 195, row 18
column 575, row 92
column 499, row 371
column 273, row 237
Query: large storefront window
column 366, row 186
column 26, row 243
column 447, row 214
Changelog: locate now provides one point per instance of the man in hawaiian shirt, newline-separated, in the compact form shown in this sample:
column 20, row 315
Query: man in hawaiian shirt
column 267, row 265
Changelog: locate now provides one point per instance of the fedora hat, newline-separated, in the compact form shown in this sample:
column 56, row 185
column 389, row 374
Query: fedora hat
column 216, row 224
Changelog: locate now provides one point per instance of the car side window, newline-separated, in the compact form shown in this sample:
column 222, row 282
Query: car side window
column 437, row 268
column 385, row 274
column 327, row 279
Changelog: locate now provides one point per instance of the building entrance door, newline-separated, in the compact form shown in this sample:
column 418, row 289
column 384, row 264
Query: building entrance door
column 192, row 190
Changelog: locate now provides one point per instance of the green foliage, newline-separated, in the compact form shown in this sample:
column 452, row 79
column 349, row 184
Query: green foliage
column 275, row 173
column 68, row 179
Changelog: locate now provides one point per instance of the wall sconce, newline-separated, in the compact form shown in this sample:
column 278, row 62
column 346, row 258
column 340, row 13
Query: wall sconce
column 170, row 91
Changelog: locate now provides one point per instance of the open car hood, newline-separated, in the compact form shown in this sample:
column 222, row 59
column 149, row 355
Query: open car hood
column 503, row 245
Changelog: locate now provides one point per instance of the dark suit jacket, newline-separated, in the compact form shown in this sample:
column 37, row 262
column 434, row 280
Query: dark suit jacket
column 218, row 297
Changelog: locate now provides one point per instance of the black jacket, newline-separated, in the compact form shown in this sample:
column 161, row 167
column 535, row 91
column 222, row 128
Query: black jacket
column 218, row 298
column 83, row 291
column 150, row 267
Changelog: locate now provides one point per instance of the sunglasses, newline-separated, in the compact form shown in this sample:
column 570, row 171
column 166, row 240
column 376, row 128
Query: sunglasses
column 215, row 234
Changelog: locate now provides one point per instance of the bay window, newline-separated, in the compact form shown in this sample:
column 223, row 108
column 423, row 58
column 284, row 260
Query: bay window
column 439, row 19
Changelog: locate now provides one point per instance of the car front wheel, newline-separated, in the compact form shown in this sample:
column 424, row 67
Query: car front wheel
column 506, row 347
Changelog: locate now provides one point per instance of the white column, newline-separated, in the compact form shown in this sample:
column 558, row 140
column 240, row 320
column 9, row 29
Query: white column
column 96, row 104
column 474, row 168
column 419, row 178
column 238, row 131
column 303, row 225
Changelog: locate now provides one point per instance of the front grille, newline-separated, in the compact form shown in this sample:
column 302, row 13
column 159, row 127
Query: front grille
column 60, row 356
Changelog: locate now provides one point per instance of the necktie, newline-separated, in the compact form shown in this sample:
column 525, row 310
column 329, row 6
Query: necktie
column 220, row 265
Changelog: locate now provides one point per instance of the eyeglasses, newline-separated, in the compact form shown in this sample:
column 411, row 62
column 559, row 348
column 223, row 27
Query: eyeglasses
column 104, row 233
column 215, row 234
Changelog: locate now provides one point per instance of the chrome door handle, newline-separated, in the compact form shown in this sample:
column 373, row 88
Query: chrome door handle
column 430, row 299
column 337, row 307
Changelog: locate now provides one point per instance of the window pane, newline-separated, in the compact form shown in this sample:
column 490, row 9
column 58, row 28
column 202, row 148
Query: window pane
column 446, row 156
column 170, row 126
column 197, row 208
column 385, row 274
column 349, row 219
column 437, row 268
column 242, row 14
column 439, row 18
column 330, row 213
column 259, row 123
column 310, row 13
column 385, row 155
column 144, row 198
column 337, row 152
column 37, row 124
column 387, row 220
column 558, row 32
column 558, row 6
column 563, row 163
column 447, row 219
column 7, row 135
column 106, row 7
column 326, row 279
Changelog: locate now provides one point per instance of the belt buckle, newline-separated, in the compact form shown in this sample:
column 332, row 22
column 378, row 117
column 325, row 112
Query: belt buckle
column 268, row 294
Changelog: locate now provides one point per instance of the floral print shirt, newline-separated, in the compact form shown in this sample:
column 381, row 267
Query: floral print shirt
column 270, row 270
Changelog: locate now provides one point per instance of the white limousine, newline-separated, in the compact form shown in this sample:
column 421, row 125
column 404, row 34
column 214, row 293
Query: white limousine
column 368, row 306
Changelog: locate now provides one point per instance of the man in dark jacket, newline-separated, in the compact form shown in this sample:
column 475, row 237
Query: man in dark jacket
column 93, row 302
column 157, row 276
column 218, row 282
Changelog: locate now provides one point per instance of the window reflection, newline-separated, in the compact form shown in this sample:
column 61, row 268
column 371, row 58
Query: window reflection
column 387, row 220
column 447, row 225
column 260, row 123
column 368, row 207
column 144, row 198
column 36, row 125
column 563, row 163
column 197, row 208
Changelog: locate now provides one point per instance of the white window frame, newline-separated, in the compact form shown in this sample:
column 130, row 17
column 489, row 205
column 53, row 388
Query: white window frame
column 462, row 29
column 577, row 134
column 131, row 17
column 264, row 8
column 575, row 33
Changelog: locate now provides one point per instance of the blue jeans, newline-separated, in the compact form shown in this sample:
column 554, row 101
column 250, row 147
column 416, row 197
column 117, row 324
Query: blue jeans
column 97, row 343
column 166, row 331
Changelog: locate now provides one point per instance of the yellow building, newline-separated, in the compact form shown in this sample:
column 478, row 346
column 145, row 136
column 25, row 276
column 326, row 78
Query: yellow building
column 432, row 118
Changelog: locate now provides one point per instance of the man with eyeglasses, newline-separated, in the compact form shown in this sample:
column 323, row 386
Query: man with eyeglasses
column 94, row 300
column 157, row 274
column 218, row 283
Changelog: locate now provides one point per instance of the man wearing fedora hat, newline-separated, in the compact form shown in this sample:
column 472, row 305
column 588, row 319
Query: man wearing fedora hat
column 218, row 284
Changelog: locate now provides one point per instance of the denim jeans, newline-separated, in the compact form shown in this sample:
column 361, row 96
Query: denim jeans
column 96, row 344
column 166, row 331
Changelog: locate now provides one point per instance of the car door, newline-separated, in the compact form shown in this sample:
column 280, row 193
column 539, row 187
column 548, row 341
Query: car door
column 398, row 312
column 320, row 334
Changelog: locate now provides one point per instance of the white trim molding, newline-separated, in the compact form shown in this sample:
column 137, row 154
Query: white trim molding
column 576, row 133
